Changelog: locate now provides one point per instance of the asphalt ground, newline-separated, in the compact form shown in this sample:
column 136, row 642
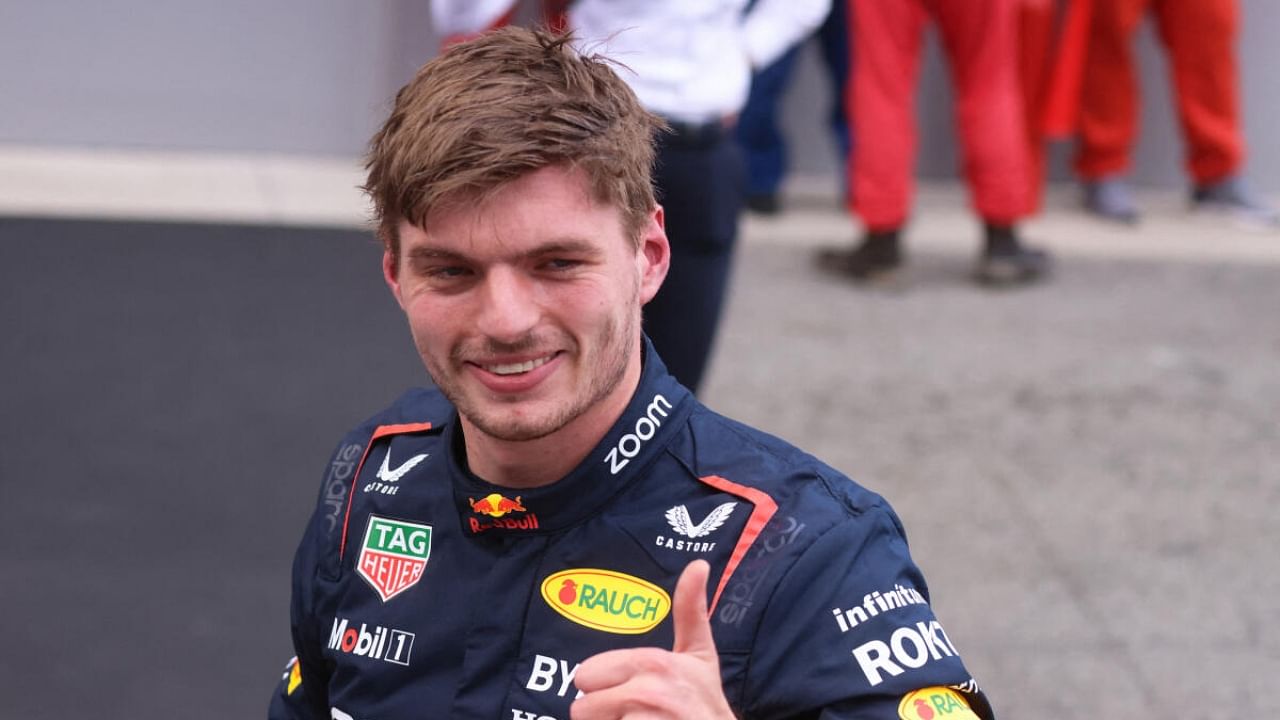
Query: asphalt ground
column 1088, row 470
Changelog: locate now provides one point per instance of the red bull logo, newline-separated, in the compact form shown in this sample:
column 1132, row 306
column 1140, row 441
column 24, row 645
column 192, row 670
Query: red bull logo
column 495, row 505
column 494, row 508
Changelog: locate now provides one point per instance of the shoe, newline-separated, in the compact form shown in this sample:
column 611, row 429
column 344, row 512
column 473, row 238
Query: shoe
column 1111, row 198
column 877, row 258
column 1232, row 198
column 1008, row 264
column 764, row 204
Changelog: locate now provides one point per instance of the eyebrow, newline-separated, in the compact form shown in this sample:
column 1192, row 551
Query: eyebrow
column 564, row 246
column 432, row 253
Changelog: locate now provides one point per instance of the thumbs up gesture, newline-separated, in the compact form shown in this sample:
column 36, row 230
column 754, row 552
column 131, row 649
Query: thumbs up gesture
column 652, row 683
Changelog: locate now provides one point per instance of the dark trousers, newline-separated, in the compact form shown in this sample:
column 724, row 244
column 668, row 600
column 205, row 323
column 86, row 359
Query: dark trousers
column 762, row 141
column 699, row 178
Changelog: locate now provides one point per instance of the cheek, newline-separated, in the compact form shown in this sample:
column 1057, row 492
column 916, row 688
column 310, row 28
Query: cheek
column 428, row 321
column 602, row 302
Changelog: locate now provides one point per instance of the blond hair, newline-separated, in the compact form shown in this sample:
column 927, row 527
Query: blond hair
column 507, row 103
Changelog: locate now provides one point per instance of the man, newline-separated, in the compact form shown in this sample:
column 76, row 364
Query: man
column 1200, row 38
column 562, row 530
column 764, row 147
column 690, row 62
column 979, row 37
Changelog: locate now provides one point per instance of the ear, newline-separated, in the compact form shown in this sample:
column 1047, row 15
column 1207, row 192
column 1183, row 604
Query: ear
column 391, row 272
column 654, row 256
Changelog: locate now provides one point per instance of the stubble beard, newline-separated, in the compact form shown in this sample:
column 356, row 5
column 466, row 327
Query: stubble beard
column 613, row 355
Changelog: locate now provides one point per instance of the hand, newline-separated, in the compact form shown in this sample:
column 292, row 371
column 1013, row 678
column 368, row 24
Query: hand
column 651, row 683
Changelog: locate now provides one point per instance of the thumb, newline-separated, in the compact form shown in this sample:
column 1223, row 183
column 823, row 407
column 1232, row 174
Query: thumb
column 689, row 612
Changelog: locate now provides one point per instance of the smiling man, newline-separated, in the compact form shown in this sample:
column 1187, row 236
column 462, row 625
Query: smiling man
column 525, row 306
column 561, row 530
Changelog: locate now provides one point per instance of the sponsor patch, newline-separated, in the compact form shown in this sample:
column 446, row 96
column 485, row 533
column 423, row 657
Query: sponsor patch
column 550, row 673
column 393, row 555
column 387, row 477
column 682, row 524
column 378, row 643
column 496, row 505
column 295, row 678
column 493, row 509
column 606, row 600
column 935, row 703
column 876, row 603
column 292, row 676
column 740, row 595
column 517, row 714
column 645, row 428
column 335, row 483
column 679, row 520
column 908, row 648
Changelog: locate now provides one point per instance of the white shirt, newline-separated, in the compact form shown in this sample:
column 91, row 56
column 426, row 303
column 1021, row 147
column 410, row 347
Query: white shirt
column 688, row 60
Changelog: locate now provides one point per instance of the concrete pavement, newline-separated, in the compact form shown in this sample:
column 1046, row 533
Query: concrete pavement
column 1088, row 470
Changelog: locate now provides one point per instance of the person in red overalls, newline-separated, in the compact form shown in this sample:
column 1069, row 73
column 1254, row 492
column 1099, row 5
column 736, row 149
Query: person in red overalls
column 981, row 43
column 1199, row 37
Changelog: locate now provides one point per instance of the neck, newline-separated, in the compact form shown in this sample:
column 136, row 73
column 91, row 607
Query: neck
column 534, row 463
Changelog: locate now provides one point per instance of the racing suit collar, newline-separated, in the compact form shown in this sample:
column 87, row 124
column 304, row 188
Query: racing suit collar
column 651, row 420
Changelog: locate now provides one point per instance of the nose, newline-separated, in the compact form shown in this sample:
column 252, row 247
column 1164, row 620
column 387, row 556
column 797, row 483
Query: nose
column 509, row 309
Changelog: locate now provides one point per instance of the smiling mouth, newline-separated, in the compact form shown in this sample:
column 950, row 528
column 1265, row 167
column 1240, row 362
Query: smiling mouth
column 518, row 368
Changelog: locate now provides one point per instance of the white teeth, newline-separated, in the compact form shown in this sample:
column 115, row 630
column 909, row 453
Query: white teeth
column 516, row 368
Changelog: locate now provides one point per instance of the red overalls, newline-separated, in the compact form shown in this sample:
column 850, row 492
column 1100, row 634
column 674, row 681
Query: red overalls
column 1199, row 37
column 981, row 44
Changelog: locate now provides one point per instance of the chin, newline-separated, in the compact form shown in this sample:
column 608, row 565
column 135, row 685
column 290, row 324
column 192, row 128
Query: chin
column 515, row 430
column 515, row 422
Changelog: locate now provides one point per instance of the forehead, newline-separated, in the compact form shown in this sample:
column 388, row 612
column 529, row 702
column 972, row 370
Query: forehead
column 550, row 204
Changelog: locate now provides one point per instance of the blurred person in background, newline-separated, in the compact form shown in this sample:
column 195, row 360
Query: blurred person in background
column 1199, row 37
column 690, row 62
column 762, row 141
column 980, row 39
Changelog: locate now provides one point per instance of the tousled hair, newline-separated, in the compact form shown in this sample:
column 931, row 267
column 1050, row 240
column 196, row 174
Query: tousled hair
column 492, row 109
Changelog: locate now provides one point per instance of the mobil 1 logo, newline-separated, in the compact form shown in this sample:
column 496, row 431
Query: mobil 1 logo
column 376, row 643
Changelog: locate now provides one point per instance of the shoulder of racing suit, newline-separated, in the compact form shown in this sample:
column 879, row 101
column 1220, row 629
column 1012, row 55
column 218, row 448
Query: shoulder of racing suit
column 823, row 606
column 421, row 410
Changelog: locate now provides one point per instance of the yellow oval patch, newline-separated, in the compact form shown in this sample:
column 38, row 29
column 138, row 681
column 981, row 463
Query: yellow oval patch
column 935, row 703
column 606, row 600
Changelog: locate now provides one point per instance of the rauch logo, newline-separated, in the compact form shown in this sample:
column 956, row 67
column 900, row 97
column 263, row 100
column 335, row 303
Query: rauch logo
column 393, row 555
column 606, row 600
column 935, row 703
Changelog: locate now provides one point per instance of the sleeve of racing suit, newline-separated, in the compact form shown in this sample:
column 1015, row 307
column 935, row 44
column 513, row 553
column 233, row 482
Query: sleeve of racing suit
column 302, row 693
column 287, row 702
column 848, row 632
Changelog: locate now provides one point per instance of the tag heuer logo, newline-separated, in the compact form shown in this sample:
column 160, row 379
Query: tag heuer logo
column 393, row 555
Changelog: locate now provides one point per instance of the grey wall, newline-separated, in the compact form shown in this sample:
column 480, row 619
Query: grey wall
column 297, row 76
column 315, row 76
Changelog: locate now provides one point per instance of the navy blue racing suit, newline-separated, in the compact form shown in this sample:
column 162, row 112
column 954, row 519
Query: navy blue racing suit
column 422, row 591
